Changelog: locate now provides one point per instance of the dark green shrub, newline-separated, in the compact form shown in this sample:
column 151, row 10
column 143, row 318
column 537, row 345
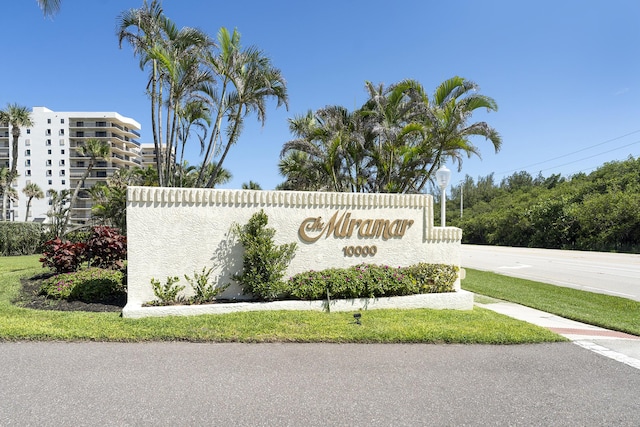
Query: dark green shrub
column 264, row 263
column 90, row 285
column 21, row 238
column 372, row 281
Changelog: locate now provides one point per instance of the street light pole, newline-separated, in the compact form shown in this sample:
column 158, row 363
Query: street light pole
column 442, row 176
column 461, row 198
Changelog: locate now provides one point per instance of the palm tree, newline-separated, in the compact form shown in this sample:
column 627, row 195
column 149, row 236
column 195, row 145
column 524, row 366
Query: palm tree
column 31, row 190
column 393, row 143
column 49, row 7
column 251, row 185
column 247, row 80
column 332, row 140
column 446, row 128
column 143, row 28
column 174, row 58
column 15, row 116
column 95, row 149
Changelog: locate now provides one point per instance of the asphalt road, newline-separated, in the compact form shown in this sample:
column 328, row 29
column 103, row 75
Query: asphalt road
column 177, row 384
column 608, row 273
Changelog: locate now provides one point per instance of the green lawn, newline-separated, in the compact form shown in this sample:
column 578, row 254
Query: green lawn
column 378, row 326
column 607, row 311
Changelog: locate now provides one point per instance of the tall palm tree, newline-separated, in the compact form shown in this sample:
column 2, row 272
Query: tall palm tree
column 31, row 190
column 49, row 7
column 95, row 149
column 174, row 57
column 15, row 116
column 446, row 128
column 247, row 80
column 144, row 28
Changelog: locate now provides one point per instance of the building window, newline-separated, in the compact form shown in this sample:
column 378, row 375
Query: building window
column 79, row 124
column 28, row 172
column 61, row 121
column 49, row 172
column 62, row 173
column 62, row 142
column 101, row 124
column 80, row 134
column 27, row 152
column 50, row 183
column 62, row 162
column 61, row 132
column 62, row 151
column 28, row 131
column 27, row 162
column 48, row 142
column 27, row 142
column 101, row 174
column 101, row 134
column 48, row 132
column 80, row 164
column 64, row 182
column 48, row 121
column 48, row 151
column 48, row 162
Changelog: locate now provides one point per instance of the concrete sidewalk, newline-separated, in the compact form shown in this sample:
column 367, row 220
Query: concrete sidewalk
column 619, row 346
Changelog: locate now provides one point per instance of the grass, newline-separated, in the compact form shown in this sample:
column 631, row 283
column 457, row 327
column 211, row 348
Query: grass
column 378, row 326
column 606, row 311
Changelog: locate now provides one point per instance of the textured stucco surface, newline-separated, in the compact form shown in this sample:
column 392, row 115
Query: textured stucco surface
column 177, row 231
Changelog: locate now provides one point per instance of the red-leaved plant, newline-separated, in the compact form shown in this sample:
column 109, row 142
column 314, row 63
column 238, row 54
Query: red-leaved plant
column 63, row 256
column 106, row 248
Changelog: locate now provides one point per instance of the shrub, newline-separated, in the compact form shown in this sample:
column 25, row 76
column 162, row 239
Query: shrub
column 204, row 291
column 20, row 238
column 433, row 278
column 63, row 256
column 167, row 293
column 90, row 285
column 264, row 263
column 106, row 247
column 372, row 281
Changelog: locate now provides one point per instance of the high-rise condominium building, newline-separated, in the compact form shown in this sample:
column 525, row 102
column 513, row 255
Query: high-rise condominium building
column 47, row 156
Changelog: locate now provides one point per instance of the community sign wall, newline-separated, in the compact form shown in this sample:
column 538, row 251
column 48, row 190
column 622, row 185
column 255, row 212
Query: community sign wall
column 178, row 231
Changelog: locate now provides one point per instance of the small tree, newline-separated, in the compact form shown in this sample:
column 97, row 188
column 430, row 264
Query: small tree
column 264, row 263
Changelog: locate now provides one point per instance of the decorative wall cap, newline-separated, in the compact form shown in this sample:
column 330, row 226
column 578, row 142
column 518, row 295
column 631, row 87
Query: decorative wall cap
column 210, row 197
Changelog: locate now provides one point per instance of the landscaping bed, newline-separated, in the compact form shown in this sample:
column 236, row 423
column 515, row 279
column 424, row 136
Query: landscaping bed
column 30, row 297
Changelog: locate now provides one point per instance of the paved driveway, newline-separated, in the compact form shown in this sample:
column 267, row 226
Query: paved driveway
column 64, row 384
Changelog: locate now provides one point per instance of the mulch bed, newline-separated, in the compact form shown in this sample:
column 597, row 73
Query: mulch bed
column 29, row 298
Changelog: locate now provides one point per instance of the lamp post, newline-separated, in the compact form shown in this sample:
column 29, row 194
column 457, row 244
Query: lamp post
column 442, row 176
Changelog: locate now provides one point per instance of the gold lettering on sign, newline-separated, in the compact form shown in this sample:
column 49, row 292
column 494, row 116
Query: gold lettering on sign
column 343, row 226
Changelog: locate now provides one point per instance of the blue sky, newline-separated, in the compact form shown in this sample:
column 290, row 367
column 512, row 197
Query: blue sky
column 565, row 74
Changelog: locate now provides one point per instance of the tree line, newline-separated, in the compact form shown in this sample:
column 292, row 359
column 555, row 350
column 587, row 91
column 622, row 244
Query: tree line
column 599, row 211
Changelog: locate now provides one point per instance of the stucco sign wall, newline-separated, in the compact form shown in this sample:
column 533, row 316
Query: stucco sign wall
column 177, row 231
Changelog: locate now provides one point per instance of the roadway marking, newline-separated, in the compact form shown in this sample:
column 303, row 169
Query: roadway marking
column 603, row 351
column 515, row 267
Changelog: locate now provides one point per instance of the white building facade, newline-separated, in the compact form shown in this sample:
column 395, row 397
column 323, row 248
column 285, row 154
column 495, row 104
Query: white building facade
column 47, row 156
